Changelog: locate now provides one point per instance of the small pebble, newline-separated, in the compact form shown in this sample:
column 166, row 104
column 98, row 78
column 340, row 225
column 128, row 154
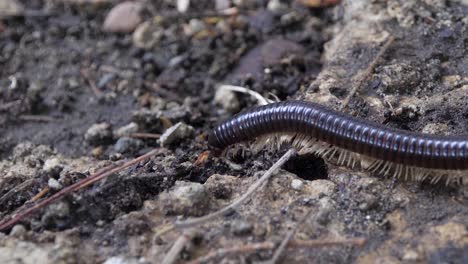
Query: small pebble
column 241, row 227
column 10, row 8
column 105, row 80
column 221, row 5
column 297, row 184
column 276, row 6
column 227, row 99
column 99, row 134
column 52, row 166
column 54, row 184
column 18, row 231
column 123, row 18
column 183, row 5
column 188, row 198
column 194, row 27
column 127, row 130
column 147, row 35
column 128, row 145
column 176, row 132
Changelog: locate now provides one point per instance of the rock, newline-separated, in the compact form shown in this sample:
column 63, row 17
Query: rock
column 149, row 120
column 17, row 251
column 369, row 202
column 411, row 255
column 436, row 128
column 128, row 145
column 127, row 130
column 227, row 99
column 10, row 8
column 123, row 18
column 54, row 184
column 185, row 198
column 400, row 78
column 176, row 112
column 183, row 5
column 194, row 26
column 297, row 184
column 276, row 6
column 53, row 167
column 320, row 187
column 122, row 260
column 241, row 227
column 107, row 78
column 326, row 207
column 221, row 5
column 18, row 231
column 176, row 132
column 147, row 35
column 221, row 186
column 274, row 50
column 99, row 134
column 56, row 215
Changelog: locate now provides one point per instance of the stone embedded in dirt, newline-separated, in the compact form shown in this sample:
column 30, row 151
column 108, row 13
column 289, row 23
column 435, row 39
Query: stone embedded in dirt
column 326, row 207
column 221, row 186
column 276, row 6
column 18, row 231
column 176, row 132
column 128, row 145
column 147, row 35
column 185, row 198
column 148, row 120
column 221, row 5
column 52, row 167
column 54, row 184
column 320, row 187
column 123, row 18
column 99, row 134
column 182, row 5
column 176, row 112
column 123, row 260
column 241, row 227
column 9, row 8
column 297, row 184
column 56, row 215
column 194, row 26
column 401, row 77
column 227, row 99
column 273, row 51
column 126, row 130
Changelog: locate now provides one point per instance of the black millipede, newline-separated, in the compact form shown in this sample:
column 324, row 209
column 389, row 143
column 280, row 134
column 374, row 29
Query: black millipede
column 313, row 128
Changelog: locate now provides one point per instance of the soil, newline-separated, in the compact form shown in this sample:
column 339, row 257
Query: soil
column 73, row 96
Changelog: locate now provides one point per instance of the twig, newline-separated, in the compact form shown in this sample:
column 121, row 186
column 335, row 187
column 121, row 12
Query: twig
column 8, row 105
column 288, row 238
column 39, row 195
column 368, row 71
column 200, row 220
column 85, row 74
column 261, row 100
column 36, row 118
column 248, row 248
column 16, row 189
column 181, row 242
column 6, row 223
column 144, row 135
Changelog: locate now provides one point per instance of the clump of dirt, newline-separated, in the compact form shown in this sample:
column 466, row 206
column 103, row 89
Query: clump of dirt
column 76, row 98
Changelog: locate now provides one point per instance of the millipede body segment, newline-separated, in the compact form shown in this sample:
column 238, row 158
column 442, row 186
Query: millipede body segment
column 333, row 135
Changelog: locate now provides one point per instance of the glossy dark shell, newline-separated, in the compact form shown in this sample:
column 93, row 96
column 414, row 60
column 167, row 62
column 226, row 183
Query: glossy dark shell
column 344, row 131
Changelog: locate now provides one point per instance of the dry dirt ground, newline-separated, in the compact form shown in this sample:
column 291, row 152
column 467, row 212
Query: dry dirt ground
column 75, row 97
